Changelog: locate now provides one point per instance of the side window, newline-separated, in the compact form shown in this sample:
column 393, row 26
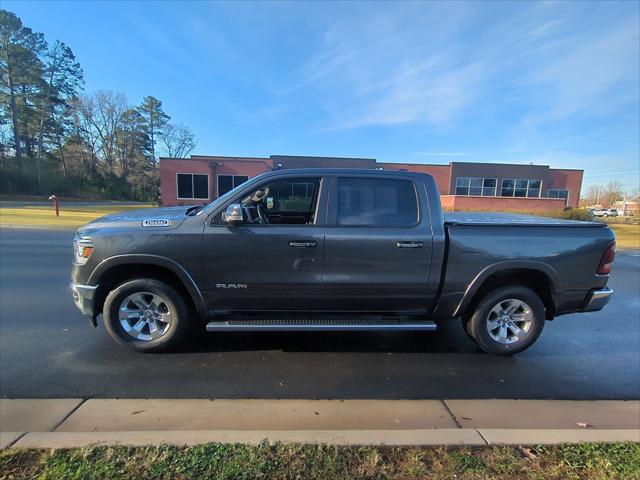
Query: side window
column 376, row 202
column 288, row 202
column 295, row 196
column 291, row 201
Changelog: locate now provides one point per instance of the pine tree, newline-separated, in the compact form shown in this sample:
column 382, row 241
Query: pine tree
column 20, row 77
column 63, row 77
column 155, row 120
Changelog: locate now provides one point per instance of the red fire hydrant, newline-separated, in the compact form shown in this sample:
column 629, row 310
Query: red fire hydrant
column 56, row 205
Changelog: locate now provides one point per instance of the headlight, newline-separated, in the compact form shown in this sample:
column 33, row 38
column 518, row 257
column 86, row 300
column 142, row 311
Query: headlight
column 82, row 249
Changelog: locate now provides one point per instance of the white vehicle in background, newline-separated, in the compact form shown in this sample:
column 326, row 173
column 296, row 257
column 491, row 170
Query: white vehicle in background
column 605, row 212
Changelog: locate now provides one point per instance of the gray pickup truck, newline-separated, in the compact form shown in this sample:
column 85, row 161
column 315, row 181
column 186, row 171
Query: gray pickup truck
column 336, row 249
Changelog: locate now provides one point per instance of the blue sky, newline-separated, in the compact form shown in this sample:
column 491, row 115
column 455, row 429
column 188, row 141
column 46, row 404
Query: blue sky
column 555, row 83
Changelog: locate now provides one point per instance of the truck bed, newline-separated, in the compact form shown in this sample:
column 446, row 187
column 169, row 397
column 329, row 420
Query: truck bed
column 510, row 219
column 567, row 251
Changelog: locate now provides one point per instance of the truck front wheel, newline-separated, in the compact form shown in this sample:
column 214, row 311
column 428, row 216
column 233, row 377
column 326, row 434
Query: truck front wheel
column 507, row 320
column 146, row 314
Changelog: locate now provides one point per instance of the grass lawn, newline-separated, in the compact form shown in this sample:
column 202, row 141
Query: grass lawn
column 70, row 215
column 627, row 235
column 281, row 461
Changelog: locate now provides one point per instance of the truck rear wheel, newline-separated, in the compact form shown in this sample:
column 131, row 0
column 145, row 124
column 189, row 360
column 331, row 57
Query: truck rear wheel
column 146, row 314
column 507, row 320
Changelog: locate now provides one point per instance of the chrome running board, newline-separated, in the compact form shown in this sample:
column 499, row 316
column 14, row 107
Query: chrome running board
column 319, row 325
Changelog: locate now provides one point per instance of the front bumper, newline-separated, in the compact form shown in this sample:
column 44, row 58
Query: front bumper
column 597, row 299
column 83, row 298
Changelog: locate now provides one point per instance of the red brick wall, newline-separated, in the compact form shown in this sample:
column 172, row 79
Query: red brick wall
column 211, row 166
column 215, row 165
column 570, row 180
column 168, row 184
column 250, row 168
column 440, row 173
column 500, row 204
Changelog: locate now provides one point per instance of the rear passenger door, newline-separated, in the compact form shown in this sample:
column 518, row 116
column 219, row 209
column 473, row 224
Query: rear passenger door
column 378, row 245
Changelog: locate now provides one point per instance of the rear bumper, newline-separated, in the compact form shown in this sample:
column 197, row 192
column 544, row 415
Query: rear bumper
column 597, row 299
column 83, row 298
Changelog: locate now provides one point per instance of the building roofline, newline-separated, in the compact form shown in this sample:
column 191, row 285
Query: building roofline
column 500, row 163
column 518, row 165
column 323, row 157
column 568, row 169
column 382, row 163
column 341, row 171
column 207, row 158
column 229, row 157
column 447, row 165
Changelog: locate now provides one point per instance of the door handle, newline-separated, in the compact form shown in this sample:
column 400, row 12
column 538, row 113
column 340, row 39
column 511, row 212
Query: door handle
column 409, row 244
column 303, row 244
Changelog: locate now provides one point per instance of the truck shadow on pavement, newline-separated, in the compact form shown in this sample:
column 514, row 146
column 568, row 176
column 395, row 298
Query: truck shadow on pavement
column 448, row 339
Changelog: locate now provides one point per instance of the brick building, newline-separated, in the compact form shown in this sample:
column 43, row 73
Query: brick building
column 463, row 185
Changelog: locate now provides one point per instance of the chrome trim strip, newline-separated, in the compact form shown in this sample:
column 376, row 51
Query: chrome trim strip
column 597, row 299
column 84, row 287
column 240, row 327
column 603, row 293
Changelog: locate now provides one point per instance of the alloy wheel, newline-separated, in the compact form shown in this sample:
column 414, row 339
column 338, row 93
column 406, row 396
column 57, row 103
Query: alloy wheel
column 509, row 321
column 145, row 316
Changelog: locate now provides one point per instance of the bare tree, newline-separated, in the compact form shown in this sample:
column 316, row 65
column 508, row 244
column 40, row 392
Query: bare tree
column 612, row 192
column 179, row 141
column 592, row 195
column 101, row 116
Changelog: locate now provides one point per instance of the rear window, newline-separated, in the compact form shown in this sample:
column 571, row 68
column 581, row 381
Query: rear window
column 376, row 202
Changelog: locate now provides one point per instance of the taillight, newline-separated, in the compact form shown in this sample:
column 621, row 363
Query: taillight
column 604, row 267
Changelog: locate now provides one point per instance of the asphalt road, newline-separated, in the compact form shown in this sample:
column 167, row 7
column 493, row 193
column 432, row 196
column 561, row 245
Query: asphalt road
column 47, row 349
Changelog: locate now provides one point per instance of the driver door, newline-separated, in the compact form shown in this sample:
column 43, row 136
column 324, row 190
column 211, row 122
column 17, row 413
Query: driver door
column 273, row 260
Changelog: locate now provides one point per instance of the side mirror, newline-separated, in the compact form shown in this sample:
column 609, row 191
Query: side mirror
column 233, row 215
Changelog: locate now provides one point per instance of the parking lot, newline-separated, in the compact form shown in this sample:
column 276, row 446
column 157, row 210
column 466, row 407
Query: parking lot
column 47, row 349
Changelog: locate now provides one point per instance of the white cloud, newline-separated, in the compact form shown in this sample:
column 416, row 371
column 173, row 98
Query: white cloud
column 584, row 77
column 372, row 69
column 433, row 63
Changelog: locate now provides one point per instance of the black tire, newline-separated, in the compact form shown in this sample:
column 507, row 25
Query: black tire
column 477, row 326
column 175, row 304
column 465, row 327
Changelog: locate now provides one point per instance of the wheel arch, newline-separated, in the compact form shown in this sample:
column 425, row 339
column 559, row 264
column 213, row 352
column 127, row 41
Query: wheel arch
column 539, row 277
column 120, row 268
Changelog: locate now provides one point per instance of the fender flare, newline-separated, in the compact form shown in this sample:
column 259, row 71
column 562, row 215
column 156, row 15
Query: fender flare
column 486, row 272
column 136, row 259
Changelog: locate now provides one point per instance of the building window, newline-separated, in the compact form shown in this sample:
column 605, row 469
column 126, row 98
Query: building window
column 512, row 187
column 485, row 187
column 192, row 186
column 559, row 193
column 227, row 183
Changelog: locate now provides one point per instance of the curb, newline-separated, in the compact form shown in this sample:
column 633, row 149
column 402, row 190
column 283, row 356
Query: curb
column 37, row 227
column 388, row 438
column 76, row 422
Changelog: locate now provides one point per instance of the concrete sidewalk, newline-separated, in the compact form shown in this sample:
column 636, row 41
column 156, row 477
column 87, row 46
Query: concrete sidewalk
column 64, row 423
